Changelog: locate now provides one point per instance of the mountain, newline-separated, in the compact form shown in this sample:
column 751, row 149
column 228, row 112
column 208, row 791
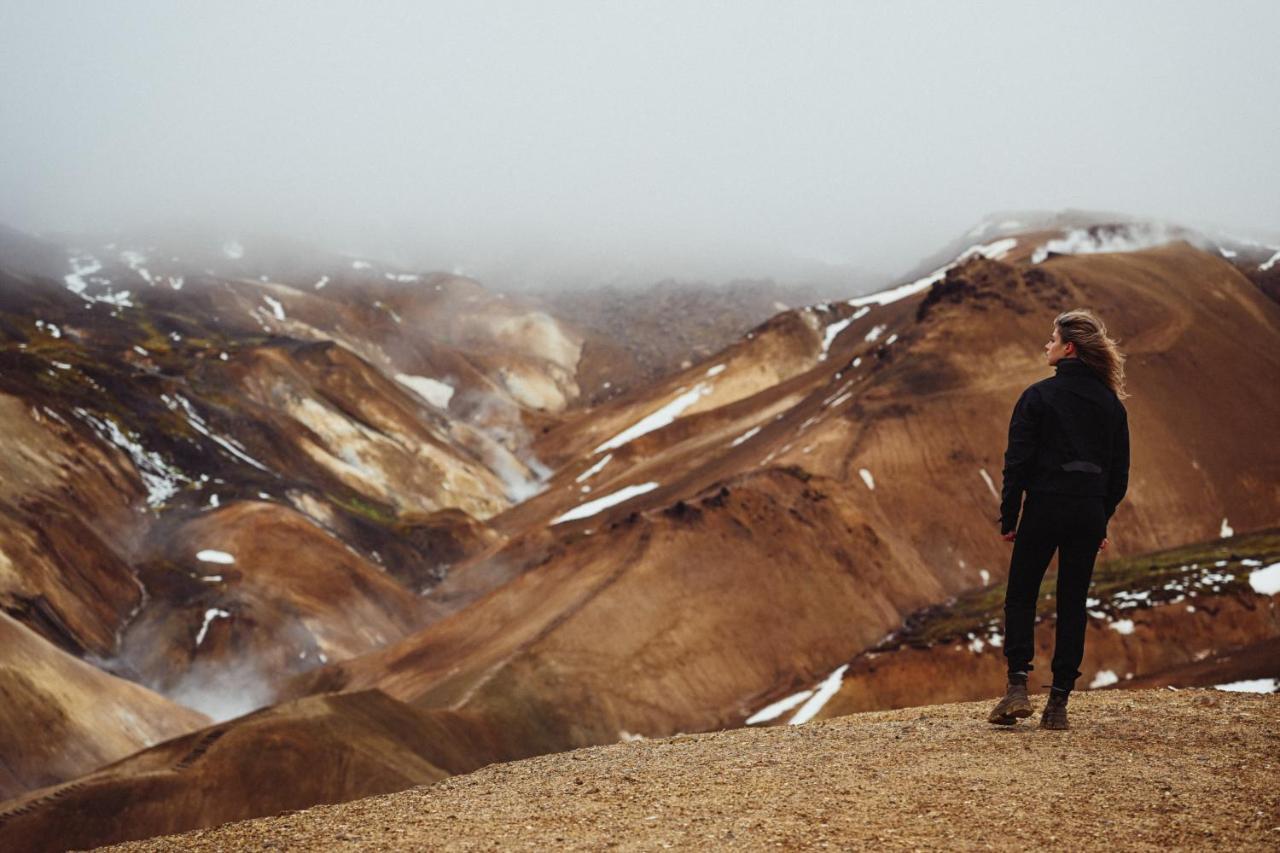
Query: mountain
column 211, row 482
column 635, row 335
column 392, row 485
column 816, row 489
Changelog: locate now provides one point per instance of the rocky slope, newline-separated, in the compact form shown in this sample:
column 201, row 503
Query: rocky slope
column 1144, row 769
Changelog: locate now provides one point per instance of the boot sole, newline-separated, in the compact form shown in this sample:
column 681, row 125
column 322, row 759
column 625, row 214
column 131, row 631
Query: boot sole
column 1009, row 717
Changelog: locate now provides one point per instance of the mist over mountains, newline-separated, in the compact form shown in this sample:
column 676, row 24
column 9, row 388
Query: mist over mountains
column 572, row 143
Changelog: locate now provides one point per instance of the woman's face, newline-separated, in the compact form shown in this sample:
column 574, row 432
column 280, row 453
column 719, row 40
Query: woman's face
column 1056, row 350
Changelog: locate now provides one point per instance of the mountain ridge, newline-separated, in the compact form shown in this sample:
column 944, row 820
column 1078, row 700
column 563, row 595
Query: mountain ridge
column 1148, row 768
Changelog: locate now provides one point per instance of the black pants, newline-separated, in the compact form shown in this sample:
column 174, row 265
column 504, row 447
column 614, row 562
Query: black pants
column 1074, row 527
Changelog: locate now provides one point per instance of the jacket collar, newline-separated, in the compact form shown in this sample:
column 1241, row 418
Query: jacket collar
column 1073, row 366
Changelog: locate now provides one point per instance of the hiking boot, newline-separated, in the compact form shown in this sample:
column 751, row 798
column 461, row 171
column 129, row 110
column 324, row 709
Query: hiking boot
column 1054, row 715
column 1013, row 706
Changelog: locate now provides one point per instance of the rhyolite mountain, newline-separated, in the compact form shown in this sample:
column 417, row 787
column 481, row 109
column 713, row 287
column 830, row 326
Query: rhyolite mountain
column 378, row 504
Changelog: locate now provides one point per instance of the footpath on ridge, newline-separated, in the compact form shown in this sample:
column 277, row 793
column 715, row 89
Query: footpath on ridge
column 1138, row 769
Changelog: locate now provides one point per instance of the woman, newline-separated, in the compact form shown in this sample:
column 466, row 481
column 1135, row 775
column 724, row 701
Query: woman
column 1069, row 452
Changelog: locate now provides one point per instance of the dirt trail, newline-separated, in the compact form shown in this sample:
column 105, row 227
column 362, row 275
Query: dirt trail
column 1141, row 769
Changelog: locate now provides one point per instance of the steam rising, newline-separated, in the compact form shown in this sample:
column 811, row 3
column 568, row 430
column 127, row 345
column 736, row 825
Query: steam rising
column 509, row 455
column 223, row 692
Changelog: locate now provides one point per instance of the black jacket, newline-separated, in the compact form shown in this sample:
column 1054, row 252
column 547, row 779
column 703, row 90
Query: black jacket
column 1069, row 435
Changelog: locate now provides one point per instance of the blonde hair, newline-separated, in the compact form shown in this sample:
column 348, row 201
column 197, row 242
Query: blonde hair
column 1094, row 346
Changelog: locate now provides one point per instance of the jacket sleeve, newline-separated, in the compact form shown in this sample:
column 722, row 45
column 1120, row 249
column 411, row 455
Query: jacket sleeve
column 1118, row 476
column 1020, row 457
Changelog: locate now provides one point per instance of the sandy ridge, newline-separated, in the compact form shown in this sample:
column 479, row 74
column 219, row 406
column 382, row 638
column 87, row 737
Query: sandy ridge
column 1140, row 769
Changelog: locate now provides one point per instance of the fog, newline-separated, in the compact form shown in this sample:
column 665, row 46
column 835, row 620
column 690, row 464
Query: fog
column 618, row 141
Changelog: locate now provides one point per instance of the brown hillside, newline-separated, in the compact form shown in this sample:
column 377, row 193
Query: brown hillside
column 1187, row 616
column 322, row 749
column 61, row 717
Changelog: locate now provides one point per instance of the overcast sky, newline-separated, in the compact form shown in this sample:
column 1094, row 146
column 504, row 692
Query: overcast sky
column 685, row 138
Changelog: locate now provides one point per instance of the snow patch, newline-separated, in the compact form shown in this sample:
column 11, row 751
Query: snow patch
column 135, row 260
column 177, row 401
column 434, row 391
column 826, row 690
column 777, row 709
column 1226, row 530
column 867, row 478
column 1255, row 685
column 158, row 477
column 594, row 469
column 80, row 267
column 233, row 250
column 657, row 420
column 209, row 615
column 995, row 251
column 1266, row 580
column 746, row 436
column 209, row 555
column 1123, row 626
column 276, row 307
column 842, row 398
column 120, row 300
column 1103, row 678
column 830, row 334
column 49, row 328
column 990, row 485
column 590, row 508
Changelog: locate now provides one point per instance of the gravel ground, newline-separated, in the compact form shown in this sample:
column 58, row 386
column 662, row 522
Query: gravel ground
column 1142, row 769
